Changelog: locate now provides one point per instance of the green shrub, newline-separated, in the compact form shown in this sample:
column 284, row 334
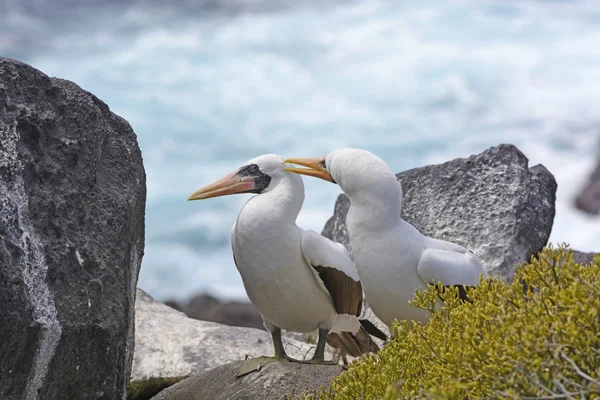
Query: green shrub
column 538, row 337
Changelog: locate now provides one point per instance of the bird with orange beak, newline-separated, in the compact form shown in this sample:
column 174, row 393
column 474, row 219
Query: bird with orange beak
column 392, row 257
column 298, row 280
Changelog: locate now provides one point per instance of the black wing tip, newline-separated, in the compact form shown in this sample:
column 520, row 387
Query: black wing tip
column 372, row 329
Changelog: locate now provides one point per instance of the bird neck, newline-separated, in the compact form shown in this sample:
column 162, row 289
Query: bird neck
column 378, row 207
column 281, row 204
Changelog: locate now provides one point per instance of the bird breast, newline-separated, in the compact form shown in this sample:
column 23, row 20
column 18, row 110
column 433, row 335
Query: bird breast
column 277, row 278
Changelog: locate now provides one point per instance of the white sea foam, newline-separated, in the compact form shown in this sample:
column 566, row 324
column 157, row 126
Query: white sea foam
column 415, row 82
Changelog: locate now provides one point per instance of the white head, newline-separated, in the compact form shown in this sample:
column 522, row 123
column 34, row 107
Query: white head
column 359, row 173
column 357, row 170
column 258, row 175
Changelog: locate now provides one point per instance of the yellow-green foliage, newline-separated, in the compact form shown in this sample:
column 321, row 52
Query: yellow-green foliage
column 538, row 337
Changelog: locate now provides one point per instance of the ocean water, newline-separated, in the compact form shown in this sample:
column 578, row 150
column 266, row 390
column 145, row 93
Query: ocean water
column 416, row 82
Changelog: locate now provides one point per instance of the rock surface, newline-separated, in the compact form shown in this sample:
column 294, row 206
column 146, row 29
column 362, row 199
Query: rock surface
column 492, row 203
column 72, row 198
column 274, row 381
column 588, row 200
column 583, row 258
column 208, row 308
column 169, row 345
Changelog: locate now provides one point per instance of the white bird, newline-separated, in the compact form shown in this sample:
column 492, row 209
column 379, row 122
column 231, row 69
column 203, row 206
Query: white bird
column 298, row 280
column 392, row 257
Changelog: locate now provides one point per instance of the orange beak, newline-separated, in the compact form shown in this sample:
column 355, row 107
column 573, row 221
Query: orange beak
column 231, row 184
column 315, row 167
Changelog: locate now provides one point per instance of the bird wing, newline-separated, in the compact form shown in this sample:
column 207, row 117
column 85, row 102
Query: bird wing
column 233, row 243
column 432, row 243
column 333, row 267
column 450, row 264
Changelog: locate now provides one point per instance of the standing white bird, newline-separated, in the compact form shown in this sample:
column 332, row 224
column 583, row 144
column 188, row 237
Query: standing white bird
column 298, row 280
column 392, row 257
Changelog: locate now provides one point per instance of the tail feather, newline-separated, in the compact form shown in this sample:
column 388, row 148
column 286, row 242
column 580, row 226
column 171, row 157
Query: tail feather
column 346, row 342
column 365, row 341
column 333, row 339
column 372, row 329
column 353, row 344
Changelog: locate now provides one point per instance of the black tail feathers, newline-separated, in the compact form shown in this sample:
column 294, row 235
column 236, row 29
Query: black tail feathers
column 372, row 329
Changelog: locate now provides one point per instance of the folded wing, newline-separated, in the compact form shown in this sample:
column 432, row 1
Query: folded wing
column 451, row 264
column 335, row 271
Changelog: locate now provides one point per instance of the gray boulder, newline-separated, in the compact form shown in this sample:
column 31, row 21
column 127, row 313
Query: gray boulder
column 583, row 258
column 274, row 381
column 169, row 346
column 72, row 198
column 492, row 203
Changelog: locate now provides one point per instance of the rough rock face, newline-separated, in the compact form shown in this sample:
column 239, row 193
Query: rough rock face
column 208, row 308
column 72, row 198
column 170, row 346
column 492, row 203
column 274, row 381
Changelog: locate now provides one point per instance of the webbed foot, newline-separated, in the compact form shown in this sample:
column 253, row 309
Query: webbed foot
column 319, row 361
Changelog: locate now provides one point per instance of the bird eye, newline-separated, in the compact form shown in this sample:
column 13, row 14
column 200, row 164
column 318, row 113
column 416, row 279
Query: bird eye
column 253, row 169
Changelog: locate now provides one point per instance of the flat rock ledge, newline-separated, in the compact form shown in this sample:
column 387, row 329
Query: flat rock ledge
column 279, row 380
column 169, row 346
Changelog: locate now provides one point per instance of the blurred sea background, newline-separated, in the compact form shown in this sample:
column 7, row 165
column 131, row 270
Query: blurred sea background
column 207, row 85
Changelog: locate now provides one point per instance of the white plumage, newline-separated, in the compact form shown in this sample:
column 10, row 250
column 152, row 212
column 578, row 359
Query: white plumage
column 392, row 257
column 298, row 280
column 274, row 256
column 318, row 250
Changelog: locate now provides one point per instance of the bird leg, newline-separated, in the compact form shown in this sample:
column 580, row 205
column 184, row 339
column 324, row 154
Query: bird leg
column 255, row 364
column 319, row 356
column 278, row 345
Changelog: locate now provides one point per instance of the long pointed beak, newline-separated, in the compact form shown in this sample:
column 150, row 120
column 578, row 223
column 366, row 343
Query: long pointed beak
column 231, row 184
column 315, row 167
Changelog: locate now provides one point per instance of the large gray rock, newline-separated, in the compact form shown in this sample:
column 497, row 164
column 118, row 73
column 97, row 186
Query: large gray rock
column 491, row 203
column 170, row 346
column 72, row 196
column 274, row 381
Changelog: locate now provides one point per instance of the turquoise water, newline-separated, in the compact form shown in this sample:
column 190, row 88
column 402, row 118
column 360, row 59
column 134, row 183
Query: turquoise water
column 415, row 82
